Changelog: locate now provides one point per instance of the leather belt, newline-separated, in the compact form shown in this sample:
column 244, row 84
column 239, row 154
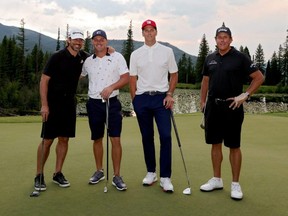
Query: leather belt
column 152, row 93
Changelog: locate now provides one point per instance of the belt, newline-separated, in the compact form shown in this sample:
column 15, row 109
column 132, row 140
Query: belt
column 220, row 101
column 152, row 93
column 102, row 101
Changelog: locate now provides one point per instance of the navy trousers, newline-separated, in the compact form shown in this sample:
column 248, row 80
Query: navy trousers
column 148, row 108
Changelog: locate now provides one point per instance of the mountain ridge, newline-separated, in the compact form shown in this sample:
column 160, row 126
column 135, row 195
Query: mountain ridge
column 48, row 44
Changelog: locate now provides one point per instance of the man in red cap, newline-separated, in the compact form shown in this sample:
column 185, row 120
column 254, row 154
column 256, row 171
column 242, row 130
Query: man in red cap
column 152, row 96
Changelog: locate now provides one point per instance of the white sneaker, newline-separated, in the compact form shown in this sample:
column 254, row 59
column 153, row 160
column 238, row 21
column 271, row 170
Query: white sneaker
column 212, row 184
column 150, row 178
column 166, row 184
column 236, row 192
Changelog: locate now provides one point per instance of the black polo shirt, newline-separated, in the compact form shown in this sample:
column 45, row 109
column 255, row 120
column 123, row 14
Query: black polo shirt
column 64, row 70
column 227, row 73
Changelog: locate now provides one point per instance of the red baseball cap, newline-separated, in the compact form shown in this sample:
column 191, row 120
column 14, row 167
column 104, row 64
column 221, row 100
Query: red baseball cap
column 149, row 22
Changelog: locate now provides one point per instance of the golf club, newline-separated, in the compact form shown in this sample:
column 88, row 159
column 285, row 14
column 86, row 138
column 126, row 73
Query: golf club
column 36, row 193
column 202, row 125
column 187, row 191
column 107, row 145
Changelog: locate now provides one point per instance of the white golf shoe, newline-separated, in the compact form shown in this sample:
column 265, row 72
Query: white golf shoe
column 212, row 184
column 150, row 178
column 236, row 192
column 166, row 184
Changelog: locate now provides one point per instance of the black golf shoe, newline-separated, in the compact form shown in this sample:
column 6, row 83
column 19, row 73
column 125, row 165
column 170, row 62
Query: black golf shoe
column 59, row 179
column 37, row 183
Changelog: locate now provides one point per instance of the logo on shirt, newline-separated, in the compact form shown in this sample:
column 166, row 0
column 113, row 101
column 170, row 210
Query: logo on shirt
column 213, row 62
column 252, row 65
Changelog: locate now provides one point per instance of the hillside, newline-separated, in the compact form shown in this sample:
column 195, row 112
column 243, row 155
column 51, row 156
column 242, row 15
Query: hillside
column 48, row 44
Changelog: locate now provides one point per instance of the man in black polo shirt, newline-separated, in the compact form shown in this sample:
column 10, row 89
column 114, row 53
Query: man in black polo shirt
column 58, row 105
column 222, row 98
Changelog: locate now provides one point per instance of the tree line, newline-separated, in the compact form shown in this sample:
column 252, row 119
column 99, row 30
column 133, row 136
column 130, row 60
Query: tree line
column 20, row 69
column 275, row 70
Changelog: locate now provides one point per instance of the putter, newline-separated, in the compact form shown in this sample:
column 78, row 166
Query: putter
column 107, row 145
column 186, row 191
column 202, row 125
column 36, row 193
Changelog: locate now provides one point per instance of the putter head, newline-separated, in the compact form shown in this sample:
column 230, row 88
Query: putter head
column 105, row 189
column 187, row 191
column 202, row 125
column 35, row 194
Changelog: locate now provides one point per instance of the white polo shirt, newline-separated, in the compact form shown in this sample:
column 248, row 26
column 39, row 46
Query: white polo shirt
column 152, row 65
column 103, row 72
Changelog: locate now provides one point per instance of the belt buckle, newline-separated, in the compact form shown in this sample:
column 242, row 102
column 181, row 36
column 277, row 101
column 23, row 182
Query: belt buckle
column 219, row 101
column 152, row 93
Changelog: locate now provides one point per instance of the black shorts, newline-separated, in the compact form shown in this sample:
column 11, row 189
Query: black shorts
column 96, row 110
column 62, row 118
column 223, row 124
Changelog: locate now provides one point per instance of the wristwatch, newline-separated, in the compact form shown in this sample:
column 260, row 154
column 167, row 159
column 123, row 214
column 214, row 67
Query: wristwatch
column 169, row 93
column 248, row 95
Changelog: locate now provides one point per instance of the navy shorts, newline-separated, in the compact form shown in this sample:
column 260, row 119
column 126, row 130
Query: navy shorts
column 96, row 110
column 223, row 124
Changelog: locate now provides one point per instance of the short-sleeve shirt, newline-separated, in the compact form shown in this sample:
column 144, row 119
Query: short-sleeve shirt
column 103, row 72
column 152, row 65
column 227, row 73
column 64, row 71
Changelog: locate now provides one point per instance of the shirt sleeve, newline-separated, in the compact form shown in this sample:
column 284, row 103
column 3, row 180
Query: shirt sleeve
column 51, row 66
column 84, row 69
column 173, row 68
column 133, row 67
column 122, row 65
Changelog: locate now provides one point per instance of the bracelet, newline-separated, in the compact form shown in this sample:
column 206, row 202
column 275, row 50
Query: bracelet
column 169, row 93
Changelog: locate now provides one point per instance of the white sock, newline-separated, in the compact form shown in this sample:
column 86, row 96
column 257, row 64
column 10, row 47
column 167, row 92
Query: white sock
column 217, row 178
column 235, row 183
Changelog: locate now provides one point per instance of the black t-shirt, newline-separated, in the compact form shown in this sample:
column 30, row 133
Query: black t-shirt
column 64, row 71
column 227, row 73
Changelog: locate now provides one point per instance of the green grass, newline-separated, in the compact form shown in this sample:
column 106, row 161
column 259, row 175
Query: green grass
column 263, row 177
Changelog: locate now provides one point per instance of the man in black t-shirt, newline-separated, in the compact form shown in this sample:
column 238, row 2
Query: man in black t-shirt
column 58, row 105
column 222, row 99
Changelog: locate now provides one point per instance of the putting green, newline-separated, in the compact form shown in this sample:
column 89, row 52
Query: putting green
column 263, row 177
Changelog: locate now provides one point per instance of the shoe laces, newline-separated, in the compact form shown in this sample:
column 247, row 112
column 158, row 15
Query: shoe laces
column 150, row 175
column 98, row 173
column 60, row 176
column 236, row 187
column 166, row 180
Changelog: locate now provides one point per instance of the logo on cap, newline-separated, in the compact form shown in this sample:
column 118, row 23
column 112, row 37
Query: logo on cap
column 224, row 29
column 76, row 34
column 149, row 22
column 99, row 32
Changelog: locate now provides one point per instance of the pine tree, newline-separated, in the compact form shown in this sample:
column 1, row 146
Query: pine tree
column 128, row 45
column 273, row 74
column 20, row 55
column 203, row 52
column 259, row 58
column 87, row 44
column 58, row 40
column 246, row 51
column 284, row 61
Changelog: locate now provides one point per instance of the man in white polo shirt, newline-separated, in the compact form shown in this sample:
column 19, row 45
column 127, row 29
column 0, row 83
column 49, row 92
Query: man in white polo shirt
column 107, row 73
column 152, row 96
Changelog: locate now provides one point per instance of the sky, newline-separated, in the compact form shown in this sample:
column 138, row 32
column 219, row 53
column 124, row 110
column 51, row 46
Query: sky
column 182, row 23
